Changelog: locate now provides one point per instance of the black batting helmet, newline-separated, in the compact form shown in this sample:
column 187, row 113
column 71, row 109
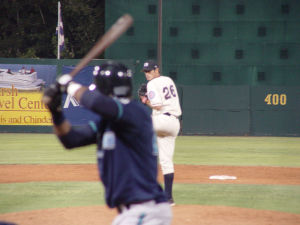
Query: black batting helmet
column 113, row 78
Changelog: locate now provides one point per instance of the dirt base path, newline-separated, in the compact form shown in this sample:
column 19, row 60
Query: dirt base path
column 184, row 174
column 183, row 214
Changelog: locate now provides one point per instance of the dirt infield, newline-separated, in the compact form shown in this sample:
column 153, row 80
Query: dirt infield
column 183, row 214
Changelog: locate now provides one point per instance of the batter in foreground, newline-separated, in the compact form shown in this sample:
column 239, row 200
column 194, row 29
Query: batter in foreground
column 126, row 143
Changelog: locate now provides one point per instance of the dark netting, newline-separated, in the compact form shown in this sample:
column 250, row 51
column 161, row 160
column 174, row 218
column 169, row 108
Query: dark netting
column 214, row 41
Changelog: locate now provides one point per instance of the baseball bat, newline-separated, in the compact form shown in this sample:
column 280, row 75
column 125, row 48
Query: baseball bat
column 115, row 31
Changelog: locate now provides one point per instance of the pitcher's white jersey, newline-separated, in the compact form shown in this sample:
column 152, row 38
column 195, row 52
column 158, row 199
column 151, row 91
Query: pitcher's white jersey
column 161, row 91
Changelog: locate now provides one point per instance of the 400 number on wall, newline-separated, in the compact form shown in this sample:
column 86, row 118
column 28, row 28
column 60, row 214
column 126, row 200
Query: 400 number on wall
column 276, row 99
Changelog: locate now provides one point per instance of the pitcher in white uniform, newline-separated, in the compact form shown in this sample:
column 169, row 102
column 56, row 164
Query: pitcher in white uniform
column 162, row 97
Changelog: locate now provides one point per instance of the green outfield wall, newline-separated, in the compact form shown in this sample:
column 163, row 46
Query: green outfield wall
column 241, row 110
column 213, row 109
column 236, row 63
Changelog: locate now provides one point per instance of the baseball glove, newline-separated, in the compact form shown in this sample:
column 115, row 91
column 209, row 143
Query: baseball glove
column 142, row 90
column 142, row 93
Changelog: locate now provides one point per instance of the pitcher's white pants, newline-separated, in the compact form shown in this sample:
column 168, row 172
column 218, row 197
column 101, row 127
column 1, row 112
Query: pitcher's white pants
column 167, row 129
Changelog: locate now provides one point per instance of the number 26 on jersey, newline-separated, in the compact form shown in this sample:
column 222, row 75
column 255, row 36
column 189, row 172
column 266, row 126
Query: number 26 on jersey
column 169, row 92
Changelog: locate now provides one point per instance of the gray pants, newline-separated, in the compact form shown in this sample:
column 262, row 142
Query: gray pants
column 147, row 213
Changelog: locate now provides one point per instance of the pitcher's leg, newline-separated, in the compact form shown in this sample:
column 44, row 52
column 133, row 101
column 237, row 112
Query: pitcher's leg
column 166, row 146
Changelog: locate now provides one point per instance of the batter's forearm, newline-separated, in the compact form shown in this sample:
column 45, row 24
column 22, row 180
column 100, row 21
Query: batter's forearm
column 79, row 93
column 77, row 136
column 63, row 128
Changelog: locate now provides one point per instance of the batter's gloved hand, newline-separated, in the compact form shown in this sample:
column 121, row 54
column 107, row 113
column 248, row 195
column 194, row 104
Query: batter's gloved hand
column 67, row 85
column 52, row 98
column 64, row 81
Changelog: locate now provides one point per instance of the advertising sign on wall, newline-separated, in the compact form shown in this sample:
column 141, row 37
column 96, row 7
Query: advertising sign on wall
column 22, row 108
column 74, row 112
column 21, row 89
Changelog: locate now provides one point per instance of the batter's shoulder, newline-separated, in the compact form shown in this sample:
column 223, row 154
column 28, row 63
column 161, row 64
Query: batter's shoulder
column 136, row 105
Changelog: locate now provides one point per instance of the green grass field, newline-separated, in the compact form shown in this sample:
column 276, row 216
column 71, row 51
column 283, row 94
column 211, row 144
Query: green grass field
column 194, row 150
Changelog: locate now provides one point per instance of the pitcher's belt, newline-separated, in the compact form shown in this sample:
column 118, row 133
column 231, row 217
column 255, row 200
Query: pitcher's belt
column 169, row 114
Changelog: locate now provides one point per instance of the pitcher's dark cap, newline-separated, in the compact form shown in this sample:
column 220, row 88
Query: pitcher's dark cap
column 149, row 65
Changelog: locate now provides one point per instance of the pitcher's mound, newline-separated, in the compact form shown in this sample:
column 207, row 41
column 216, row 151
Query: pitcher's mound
column 182, row 215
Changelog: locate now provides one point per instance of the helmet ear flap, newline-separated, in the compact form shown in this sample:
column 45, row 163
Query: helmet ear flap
column 114, row 79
